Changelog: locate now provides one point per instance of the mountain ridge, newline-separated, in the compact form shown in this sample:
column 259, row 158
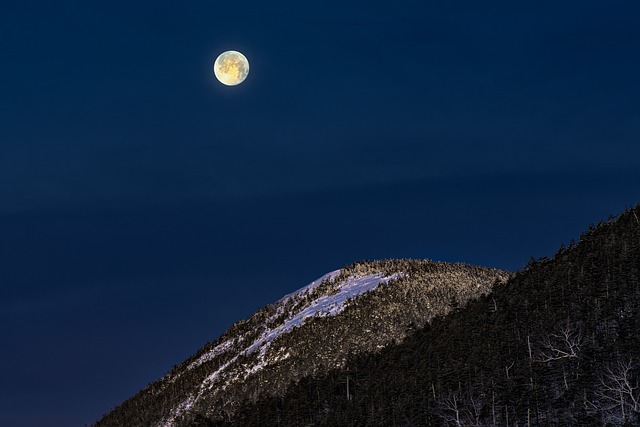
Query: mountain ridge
column 362, row 307
column 417, row 342
column 558, row 344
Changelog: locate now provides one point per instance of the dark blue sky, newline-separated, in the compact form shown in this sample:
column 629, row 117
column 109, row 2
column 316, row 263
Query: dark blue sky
column 144, row 207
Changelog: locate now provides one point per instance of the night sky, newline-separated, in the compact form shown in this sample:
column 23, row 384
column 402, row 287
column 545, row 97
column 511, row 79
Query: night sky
column 145, row 207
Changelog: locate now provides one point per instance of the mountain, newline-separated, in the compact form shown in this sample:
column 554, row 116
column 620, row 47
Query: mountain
column 558, row 344
column 416, row 342
column 360, row 309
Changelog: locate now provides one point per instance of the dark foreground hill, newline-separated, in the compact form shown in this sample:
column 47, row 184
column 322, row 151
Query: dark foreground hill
column 559, row 344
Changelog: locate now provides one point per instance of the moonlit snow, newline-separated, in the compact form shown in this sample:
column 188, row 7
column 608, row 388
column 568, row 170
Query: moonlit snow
column 323, row 305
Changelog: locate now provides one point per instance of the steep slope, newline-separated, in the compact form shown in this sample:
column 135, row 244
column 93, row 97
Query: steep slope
column 360, row 308
column 559, row 344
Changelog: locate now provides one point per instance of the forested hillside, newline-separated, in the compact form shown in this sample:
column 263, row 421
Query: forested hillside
column 361, row 308
column 559, row 344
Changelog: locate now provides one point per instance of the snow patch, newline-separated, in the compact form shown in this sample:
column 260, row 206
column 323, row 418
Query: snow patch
column 175, row 413
column 211, row 354
column 211, row 379
column 329, row 277
column 325, row 305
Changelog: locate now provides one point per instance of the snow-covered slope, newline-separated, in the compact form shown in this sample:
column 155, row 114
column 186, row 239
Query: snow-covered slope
column 362, row 307
column 324, row 305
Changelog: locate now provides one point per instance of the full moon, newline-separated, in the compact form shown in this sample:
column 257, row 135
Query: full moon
column 231, row 68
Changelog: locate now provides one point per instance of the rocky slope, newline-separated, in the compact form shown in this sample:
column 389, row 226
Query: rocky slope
column 557, row 345
column 359, row 309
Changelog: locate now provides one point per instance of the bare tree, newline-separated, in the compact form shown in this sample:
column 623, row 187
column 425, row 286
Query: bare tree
column 563, row 343
column 617, row 395
column 507, row 368
column 458, row 408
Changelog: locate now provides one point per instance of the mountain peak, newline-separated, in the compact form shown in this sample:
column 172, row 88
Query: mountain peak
column 360, row 308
